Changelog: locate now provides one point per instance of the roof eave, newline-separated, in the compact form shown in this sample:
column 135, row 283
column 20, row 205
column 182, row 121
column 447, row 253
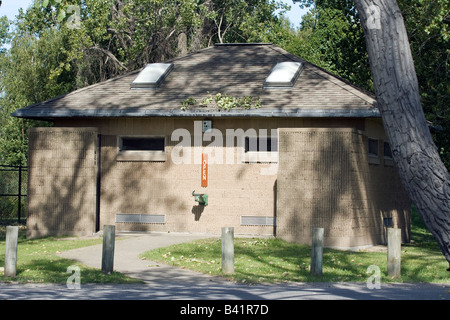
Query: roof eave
column 257, row 113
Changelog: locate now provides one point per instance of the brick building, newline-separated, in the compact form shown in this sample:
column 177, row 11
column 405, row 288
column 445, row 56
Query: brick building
column 136, row 151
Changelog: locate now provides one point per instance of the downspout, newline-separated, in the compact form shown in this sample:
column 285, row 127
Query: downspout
column 98, row 183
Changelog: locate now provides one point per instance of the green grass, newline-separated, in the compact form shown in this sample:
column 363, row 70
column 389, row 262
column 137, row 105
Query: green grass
column 256, row 260
column 38, row 261
column 274, row 260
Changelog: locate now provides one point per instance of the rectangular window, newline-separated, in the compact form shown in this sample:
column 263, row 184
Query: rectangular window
column 373, row 151
column 387, row 154
column 283, row 75
column 387, row 150
column 141, row 148
column 152, row 76
column 142, row 144
column 373, row 147
column 264, row 144
column 261, row 149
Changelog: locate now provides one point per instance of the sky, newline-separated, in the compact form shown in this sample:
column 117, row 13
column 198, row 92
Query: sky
column 10, row 8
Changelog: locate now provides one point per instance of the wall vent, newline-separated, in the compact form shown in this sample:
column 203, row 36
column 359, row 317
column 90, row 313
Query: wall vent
column 257, row 221
column 140, row 218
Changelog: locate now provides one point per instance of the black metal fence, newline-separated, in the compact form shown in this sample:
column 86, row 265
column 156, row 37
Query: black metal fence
column 13, row 189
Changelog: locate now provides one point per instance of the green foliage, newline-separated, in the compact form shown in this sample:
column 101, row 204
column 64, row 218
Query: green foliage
column 58, row 46
column 32, row 71
column 427, row 22
column 51, row 55
column 331, row 37
column 223, row 102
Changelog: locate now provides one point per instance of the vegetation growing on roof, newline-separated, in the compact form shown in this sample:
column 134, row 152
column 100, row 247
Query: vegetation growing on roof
column 223, row 102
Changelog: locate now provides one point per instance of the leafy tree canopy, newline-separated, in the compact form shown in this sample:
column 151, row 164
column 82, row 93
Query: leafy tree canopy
column 58, row 46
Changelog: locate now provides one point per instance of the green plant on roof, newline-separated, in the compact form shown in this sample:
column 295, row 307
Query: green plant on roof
column 187, row 103
column 223, row 102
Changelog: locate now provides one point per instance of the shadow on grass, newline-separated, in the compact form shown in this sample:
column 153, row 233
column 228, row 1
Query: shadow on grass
column 275, row 260
column 56, row 271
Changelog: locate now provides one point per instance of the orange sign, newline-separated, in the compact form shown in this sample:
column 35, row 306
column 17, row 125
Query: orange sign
column 204, row 170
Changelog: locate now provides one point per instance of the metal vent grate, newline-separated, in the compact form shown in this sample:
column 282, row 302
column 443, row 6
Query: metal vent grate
column 140, row 218
column 257, row 221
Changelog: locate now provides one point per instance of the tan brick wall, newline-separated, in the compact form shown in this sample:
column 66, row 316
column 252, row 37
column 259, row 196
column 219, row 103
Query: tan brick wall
column 61, row 183
column 166, row 188
column 325, row 180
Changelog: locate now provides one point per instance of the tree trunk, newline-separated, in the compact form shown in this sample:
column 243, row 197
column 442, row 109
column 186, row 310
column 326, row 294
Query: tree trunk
column 422, row 172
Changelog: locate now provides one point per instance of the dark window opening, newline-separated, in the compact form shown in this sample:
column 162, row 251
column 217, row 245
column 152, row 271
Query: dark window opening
column 387, row 150
column 265, row 144
column 142, row 144
column 373, row 147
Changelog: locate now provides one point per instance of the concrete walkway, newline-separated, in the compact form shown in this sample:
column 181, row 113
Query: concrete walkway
column 164, row 282
column 127, row 250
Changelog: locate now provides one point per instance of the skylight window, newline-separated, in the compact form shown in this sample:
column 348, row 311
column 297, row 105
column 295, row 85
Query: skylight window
column 283, row 75
column 152, row 76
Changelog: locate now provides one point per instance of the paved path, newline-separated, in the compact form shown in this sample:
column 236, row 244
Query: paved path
column 209, row 289
column 169, row 283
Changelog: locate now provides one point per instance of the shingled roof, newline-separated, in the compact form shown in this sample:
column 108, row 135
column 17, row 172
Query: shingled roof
column 234, row 69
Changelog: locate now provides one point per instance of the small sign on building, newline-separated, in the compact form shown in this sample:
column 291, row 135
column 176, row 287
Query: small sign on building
column 204, row 170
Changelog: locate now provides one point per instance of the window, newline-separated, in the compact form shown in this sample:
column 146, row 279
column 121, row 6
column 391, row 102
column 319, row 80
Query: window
column 152, row 76
column 261, row 149
column 373, row 147
column 139, row 148
column 267, row 144
column 387, row 154
column 283, row 75
column 373, row 151
column 387, row 150
column 142, row 144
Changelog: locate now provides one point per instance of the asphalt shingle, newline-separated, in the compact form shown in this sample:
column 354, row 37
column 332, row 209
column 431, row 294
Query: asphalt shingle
column 237, row 70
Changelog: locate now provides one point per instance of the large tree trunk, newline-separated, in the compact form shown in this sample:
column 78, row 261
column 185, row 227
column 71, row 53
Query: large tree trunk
column 422, row 172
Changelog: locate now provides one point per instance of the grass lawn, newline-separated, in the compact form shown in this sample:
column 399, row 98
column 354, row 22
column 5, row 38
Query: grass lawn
column 275, row 260
column 256, row 260
column 38, row 261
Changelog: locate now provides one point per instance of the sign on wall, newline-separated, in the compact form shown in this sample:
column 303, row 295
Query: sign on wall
column 204, row 170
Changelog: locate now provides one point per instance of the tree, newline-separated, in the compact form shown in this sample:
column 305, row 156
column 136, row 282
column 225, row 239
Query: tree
column 427, row 26
column 399, row 95
column 58, row 46
column 32, row 71
column 424, row 175
column 333, row 39
column 427, row 23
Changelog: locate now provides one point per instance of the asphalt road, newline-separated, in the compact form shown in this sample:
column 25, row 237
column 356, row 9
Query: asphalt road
column 216, row 289
column 168, row 283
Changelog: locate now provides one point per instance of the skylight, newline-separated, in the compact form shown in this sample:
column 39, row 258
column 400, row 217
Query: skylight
column 283, row 75
column 152, row 76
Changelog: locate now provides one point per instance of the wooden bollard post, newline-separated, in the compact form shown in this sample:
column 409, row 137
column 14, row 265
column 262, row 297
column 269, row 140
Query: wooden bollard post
column 394, row 252
column 317, row 251
column 228, row 250
column 12, row 234
column 108, row 249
